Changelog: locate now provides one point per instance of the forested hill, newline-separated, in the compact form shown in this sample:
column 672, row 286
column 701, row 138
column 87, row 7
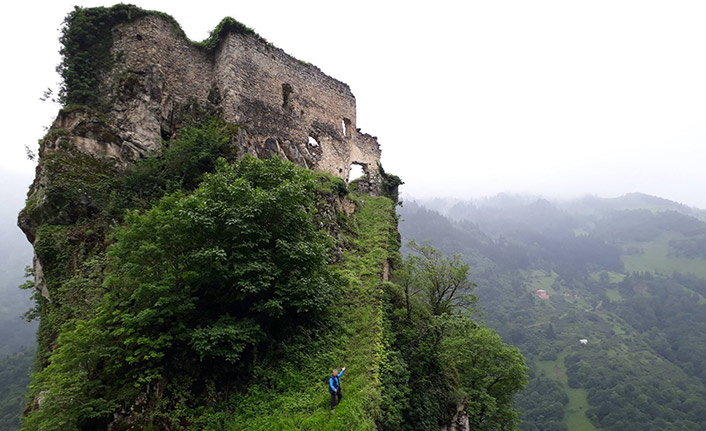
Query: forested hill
column 627, row 276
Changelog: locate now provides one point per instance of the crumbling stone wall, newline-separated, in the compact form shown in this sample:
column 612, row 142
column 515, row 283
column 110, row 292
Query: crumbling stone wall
column 284, row 106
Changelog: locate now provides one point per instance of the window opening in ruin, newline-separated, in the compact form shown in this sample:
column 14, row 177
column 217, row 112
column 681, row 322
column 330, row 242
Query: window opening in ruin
column 286, row 94
column 346, row 126
column 355, row 172
column 313, row 142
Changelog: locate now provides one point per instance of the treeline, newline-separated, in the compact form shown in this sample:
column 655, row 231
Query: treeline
column 511, row 243
column 645, row 225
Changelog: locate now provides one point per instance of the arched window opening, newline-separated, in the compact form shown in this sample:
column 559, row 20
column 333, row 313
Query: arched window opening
column 355, row 172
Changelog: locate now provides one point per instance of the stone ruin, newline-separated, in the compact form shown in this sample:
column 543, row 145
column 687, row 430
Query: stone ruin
column 284, row 106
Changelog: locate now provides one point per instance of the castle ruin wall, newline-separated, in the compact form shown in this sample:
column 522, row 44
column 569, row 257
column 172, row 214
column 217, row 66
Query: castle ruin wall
column 285, row 106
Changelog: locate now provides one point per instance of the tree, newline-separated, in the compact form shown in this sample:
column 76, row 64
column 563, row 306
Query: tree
column 442, row 281
column 550, row 333
column 451, row 362
column 488, row 372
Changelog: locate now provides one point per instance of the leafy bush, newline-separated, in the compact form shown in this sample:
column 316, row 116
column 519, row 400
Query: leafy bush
column 181, row 166
column 390, row 184
column 197, row 284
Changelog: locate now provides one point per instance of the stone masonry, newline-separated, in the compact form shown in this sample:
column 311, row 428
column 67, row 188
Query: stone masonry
column 283, row 105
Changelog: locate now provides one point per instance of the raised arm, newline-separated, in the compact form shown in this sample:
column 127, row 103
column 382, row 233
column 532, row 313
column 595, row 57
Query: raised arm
column 342, row 371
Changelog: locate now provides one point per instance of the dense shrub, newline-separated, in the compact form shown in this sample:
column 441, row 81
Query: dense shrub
column 196, row 284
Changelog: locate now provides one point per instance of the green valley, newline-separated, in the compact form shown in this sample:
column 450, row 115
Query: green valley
column 616, row 343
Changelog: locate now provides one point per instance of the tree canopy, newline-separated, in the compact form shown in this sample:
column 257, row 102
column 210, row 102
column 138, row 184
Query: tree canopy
column 442, row 363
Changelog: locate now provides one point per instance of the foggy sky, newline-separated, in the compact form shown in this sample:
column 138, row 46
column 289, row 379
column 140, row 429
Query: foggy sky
column 556, row 98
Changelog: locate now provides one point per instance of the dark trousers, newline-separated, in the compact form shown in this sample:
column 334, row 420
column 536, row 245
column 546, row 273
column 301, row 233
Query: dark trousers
column 335, row 397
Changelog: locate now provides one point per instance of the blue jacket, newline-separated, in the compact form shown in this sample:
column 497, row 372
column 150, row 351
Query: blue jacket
column 333, row 383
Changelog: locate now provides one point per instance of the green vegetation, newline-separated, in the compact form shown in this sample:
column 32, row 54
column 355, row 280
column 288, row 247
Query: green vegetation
column 182, row 165
column 84, row 199
column 80, row 187
column 641, row 368
column 656, row 256
column 86, row 40
column 196, row 286
column 292, row 394
column 14, row 378
column 576, row 404
column 191, row 290
column 439, row 360
column 222, row 302
column 390, row 184
column 226, row 26
column 613, row 295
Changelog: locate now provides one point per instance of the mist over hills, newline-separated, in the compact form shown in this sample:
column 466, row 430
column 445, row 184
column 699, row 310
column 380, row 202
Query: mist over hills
column 15, row 255
column 17, row 336
column 627, row 275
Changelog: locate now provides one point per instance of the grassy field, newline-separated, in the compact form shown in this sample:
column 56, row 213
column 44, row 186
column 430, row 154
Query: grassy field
column 541, row 280
column 656, row 259
column 614, row 295
column 575, row 411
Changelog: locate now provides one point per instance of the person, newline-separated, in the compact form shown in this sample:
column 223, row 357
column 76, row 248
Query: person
column 334, row 387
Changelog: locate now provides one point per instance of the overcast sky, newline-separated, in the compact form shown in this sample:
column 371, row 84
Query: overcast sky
column 468, row 99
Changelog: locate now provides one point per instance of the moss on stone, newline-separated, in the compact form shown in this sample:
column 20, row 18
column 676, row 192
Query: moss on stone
column 87, row 39
column 227, row 26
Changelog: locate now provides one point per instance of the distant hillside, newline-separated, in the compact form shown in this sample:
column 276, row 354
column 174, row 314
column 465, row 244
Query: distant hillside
column 627, row 275
column 630, row 201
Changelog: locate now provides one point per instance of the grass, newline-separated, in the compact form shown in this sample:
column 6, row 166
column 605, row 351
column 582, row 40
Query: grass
column 575, row 411
column 297, row 397
column 614, row 295
column 540, row 280
column 656, row 259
